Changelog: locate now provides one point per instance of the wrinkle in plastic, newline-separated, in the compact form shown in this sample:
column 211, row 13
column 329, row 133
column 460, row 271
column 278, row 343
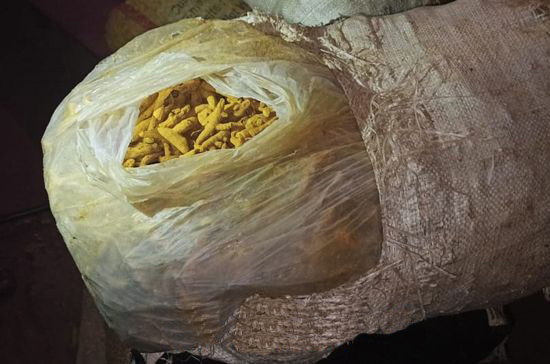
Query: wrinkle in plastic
column 169, row 250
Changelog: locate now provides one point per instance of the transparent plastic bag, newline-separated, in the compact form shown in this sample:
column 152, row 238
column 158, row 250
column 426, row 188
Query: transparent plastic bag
column 169, row 250
column 322, row 12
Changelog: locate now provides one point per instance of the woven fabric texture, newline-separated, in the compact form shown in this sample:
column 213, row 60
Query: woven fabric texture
column 454, row 107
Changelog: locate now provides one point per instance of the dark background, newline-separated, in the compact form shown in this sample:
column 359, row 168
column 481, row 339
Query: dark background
column 47, row 47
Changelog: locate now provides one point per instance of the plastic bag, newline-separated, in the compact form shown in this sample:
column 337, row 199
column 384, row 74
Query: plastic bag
column 169, row 250
column 322, row 12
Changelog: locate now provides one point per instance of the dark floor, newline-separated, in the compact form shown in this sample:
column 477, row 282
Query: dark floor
column 40, row 287
column 41, row 296
column 40, row 65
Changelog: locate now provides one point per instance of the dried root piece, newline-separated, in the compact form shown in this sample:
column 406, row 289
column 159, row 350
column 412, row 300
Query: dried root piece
column 203, row 115
column 128, row 163
column 149, row 158
column 266, row 110
column 178, row 141
column 186, row 125
column 218, row 137
column 230, row 126
column 193, row 114
column 211, row 121
column 167, row 151
column 201, row 107
column 139, row 128
column 241, row 108
column 153, row 134
column 255, row 130
column 211, row 101
column 141, row 150
column 175, row 116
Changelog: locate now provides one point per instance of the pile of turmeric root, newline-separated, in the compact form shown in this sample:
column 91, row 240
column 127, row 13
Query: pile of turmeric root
column 192, row 118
